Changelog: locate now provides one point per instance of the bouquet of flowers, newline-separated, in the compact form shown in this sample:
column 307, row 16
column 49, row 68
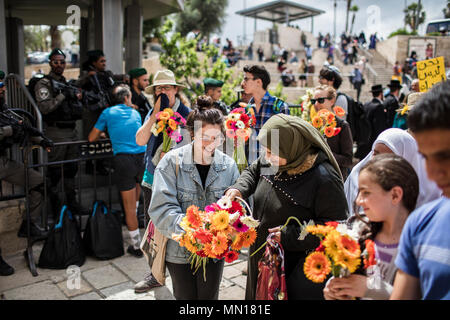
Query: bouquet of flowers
column 324, row 120
column 238, row 126
column 339, row 252
column 220, row 231
column 168, row 122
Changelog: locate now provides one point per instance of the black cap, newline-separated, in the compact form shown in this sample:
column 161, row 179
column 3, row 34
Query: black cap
column 56, row 52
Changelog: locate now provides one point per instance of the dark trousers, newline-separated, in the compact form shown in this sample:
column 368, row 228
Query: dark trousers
column 147, row 197
column 188, row 286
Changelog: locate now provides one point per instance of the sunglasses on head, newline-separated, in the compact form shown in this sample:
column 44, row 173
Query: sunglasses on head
column 320, row 100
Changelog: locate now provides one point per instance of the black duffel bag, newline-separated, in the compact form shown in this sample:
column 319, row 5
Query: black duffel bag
column 103, row 235
column 63, row 246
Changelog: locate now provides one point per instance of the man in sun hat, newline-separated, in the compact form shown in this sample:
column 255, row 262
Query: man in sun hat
column 138, row 82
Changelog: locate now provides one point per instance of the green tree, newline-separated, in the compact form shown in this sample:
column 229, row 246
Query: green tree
column 208, row 16
column 353, row 9
column 414, row 15
column 180, row 56
column 447, row 10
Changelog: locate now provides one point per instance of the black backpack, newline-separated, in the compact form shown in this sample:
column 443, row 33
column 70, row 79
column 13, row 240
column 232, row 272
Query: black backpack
column 63, row 246
column 357, row 120
column 103, row 235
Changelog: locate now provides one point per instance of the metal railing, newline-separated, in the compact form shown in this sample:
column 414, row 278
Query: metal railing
column 88, row 152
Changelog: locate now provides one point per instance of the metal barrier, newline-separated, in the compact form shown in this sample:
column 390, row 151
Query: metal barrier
column 94, row 151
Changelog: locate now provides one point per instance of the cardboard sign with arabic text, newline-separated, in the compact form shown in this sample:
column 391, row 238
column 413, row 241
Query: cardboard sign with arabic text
column 430, row 72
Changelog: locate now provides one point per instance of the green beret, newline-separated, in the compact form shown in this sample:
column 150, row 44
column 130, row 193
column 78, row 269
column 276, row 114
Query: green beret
column 55, row 52
column 2, row 75
column 210, row 82
column 137, row 72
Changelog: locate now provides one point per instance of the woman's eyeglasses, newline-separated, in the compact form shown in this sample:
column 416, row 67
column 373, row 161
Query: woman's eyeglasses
column 320, row 100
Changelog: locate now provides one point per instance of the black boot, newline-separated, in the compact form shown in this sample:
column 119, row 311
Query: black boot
column 5, row 269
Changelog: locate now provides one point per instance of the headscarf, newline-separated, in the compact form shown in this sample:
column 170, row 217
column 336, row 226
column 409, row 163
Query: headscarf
column 404, row 145
column 297, row 140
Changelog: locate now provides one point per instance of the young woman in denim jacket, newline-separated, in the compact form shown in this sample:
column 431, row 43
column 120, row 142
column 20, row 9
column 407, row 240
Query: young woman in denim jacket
column 195, row 174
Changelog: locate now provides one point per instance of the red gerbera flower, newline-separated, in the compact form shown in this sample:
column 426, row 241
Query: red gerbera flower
column 231, row 256
column 203, row 235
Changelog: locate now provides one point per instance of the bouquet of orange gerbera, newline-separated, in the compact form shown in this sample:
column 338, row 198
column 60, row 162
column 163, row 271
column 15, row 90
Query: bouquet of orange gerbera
column 168, row 122
column 325, row 121
column 220, row 231
column 238, row 126
column 339, row 252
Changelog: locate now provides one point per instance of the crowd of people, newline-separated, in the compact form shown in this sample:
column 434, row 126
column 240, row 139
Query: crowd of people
column 399, row 189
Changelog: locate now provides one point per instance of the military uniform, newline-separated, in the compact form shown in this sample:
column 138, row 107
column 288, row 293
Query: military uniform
column 59, row 118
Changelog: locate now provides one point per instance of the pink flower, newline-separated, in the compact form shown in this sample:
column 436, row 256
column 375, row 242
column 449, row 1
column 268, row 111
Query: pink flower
column 239, row 226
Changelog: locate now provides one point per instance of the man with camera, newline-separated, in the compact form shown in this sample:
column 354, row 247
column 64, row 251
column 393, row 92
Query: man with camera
column 60, row 106
column 14, row 131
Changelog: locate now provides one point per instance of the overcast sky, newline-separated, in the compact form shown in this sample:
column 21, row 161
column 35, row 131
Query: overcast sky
column 390, row 12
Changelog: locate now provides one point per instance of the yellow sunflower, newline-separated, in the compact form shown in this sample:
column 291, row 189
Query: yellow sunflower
column 350, row 263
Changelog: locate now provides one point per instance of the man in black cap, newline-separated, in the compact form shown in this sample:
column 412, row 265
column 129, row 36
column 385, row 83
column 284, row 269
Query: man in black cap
column 213, row 88
column 391, row 102
column 138, row 82
column 60, row 109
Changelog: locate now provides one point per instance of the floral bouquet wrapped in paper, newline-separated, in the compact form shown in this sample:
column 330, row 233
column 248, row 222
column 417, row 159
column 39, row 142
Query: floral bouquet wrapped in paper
column 168, row 122
column 339, row 252
column 220, row 231
column 238, row 126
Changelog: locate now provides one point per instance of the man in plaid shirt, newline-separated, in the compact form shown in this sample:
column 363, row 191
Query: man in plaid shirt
column 255, row 83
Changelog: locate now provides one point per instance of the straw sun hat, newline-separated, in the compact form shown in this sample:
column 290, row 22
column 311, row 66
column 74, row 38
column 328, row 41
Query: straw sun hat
column 162, row 77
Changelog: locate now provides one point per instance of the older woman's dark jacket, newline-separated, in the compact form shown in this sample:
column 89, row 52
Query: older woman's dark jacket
column 317, row 194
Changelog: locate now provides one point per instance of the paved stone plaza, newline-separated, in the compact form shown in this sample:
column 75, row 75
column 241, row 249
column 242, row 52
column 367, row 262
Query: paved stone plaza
column 103, row 280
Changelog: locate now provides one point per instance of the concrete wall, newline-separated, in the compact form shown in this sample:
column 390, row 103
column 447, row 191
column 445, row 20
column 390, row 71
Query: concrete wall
column 396, row 48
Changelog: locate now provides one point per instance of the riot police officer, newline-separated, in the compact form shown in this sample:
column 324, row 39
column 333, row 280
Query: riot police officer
column 60, row 109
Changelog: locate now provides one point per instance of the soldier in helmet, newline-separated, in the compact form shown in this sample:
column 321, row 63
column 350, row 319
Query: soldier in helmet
column 60, row 109
column 213, row 88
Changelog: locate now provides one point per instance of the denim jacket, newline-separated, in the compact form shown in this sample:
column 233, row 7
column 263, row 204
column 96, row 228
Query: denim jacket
column 173, row 193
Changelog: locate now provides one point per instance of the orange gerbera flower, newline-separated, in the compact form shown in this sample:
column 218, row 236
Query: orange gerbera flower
column 219, row 243
column 350, row 263
column 330, row 118
column 369, row 254
column 248, row 237
column 229, row 124
column 190, row 243
column 319, row 229
column 173, row 124
column 169, row 111
column 193, row 216
column 323, row 113
column 237, row 242
column 164, row 116
column 349, row 247
column 207, row 249
column 220, row 220
column 329, row 132
column 317, row 122
column 339, row 111
column 317, row 267
column 331, row 244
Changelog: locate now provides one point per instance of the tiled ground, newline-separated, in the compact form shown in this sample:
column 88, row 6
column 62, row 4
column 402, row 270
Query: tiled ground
column 108, row 280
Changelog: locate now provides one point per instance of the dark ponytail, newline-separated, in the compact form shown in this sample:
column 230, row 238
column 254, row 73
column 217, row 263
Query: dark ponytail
column 204, row 112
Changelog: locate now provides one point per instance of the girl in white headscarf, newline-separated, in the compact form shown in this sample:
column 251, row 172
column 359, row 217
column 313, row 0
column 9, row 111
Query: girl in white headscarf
column 400, row 142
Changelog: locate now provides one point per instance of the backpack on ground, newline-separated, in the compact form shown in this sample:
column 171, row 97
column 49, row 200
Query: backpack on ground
column 103, row 235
